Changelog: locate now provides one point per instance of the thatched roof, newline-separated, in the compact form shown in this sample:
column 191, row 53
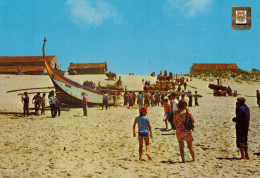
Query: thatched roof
column 25, row 59
column 88, row 66
column 216, row 66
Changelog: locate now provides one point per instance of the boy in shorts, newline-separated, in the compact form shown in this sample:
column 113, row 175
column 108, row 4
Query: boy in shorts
column 167, row 112
column 144, row 128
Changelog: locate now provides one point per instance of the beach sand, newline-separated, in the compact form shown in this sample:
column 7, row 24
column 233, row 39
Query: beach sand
column 102, row 145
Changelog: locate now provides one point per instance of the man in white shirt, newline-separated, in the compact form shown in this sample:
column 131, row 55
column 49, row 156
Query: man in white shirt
column 174, row 108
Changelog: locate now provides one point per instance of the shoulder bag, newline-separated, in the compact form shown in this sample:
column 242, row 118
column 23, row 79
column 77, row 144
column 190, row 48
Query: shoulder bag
column 187, row 123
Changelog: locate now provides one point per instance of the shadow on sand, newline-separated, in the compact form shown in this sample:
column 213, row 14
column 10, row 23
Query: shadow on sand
column 220, row 158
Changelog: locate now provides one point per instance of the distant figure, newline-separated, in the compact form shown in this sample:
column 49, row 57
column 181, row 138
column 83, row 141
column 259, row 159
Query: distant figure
column 114, row 99
column 25, row 100
column 155, row 99
column 20, row 70
column 152, row 99
column 162, row 98
column 144, row 128
column 84, row 103
column 142, row 81
column 181, row 132
column 37, row 102
column 158, row 99
column 53, row 104
column 179, row 88
column 190, row 100
column 43, row 104
column 242, row 124
column 105, row 100
column 134, row 98
column 165, row 73
column 59, row 107
column 185, row 85
column 174, row 108
column 146, row 99
column 229, row 91
column 125, row 99
column 167, row 112
column 140, row 99
column 196, row 99
column 130, row 99
column 258, row 97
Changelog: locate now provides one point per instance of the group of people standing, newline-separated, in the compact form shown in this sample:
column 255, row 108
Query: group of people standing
column 176, row 113
column 40, row 103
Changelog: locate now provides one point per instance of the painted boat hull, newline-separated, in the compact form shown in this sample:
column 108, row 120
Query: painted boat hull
column 69, row 92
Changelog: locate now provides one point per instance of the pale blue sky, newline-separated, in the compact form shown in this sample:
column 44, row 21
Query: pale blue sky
column 139, row 36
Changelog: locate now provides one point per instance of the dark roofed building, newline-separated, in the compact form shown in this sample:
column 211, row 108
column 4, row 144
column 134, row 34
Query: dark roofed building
column 212, row 66
column 88, row 68
column 27, row 65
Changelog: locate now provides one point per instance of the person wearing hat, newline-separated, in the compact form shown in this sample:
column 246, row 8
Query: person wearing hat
column 242, row 124
column 84, row 103
column 144, row 128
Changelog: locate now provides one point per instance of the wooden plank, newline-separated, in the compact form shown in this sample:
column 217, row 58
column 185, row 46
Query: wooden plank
column 36, row 92
column 24, row 89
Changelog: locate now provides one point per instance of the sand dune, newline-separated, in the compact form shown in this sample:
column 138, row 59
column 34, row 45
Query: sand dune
column 102, row 144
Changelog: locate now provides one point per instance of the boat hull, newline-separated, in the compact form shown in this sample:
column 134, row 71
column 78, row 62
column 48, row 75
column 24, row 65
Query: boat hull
column 70, row 92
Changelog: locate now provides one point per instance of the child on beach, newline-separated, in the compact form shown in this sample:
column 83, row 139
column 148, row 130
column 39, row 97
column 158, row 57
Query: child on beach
column 167, row 112
column 144, row 128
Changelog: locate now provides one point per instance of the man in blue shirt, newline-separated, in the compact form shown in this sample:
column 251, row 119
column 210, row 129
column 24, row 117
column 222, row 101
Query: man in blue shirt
column 140, row 99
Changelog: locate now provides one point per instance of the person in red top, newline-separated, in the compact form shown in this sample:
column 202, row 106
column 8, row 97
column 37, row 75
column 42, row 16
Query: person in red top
column 167, row 112
column 181, row 132
column 84, row 103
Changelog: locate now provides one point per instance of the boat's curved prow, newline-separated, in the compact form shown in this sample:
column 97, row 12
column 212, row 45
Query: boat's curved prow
column 68, row 91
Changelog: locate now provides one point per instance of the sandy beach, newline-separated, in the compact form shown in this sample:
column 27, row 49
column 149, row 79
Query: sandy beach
column 102, row 144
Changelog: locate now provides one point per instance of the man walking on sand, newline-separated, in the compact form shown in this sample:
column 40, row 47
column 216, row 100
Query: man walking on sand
column 174, row 109
column 25, row 100
column 258, row 97
column 242, row 124
column 84, row 103
column 105, row 100
column 37, row 102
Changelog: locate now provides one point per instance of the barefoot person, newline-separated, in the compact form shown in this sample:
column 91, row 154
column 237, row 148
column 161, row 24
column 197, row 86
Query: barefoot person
column 144, row 128
column 242, row 124
column 167, row 112
column 181, row 132
column 84, row 103
column 25, row 100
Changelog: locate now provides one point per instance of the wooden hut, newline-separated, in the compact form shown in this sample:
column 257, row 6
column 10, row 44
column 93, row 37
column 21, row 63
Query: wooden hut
column 87, row 68
column 212, row 66
column 31, row 65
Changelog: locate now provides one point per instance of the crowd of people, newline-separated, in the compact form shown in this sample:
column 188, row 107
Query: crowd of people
column 175, row 110
column 177, row 114
column 39, row 103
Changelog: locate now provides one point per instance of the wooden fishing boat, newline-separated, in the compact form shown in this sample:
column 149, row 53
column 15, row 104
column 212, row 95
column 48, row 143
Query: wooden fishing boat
column 70, row 92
